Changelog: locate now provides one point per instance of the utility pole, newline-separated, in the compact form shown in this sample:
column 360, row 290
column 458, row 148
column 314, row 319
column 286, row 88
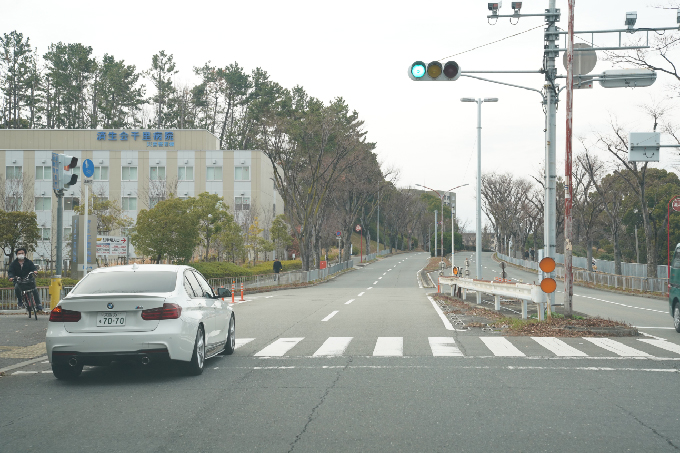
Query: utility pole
column 435, row 233
column 568, row 192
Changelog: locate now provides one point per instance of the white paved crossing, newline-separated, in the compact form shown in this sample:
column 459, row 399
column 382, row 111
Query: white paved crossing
column 279, row 347
column 333, row 347
column 616, row 347
column 501, row 347
column 389, row 347
column 444, row 347
column 242, row 341
column 558, row 347
column 663, row 344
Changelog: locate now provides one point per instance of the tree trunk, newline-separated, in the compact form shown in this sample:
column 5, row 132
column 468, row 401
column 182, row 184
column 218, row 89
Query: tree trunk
column 589, row 254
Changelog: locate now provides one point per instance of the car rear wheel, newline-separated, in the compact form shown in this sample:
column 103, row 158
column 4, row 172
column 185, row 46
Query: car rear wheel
column 195, row 367
column 676, row 317
column 66, row 372
column 231, row 337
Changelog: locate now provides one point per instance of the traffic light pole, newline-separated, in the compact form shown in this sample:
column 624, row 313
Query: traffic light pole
column 60, row 230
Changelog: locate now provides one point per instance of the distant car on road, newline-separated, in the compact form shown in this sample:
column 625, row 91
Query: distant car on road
column 674, row 289
column 143, row 313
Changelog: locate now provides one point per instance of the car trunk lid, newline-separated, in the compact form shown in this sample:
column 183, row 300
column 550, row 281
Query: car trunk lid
column 108, row 313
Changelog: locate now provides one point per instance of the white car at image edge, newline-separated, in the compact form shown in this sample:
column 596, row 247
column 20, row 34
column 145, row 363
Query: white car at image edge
column 144, row 313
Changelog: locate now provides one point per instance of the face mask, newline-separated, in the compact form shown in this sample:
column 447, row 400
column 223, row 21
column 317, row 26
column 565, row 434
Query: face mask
column 21, row 257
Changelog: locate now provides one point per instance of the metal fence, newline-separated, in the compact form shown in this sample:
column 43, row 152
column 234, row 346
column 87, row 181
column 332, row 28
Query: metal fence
column 625, row 282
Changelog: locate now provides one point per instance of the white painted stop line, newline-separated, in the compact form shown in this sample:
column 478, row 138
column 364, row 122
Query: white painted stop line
column 279, row 347
column 241, row 341
column 616, row 347
column 501, row 347
column 558, row 347
column 444, row 347
column 333, row 347
column 389, row 347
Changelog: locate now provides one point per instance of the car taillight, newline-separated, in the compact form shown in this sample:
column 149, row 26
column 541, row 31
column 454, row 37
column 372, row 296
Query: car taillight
column 58, row 314
column 168, row 311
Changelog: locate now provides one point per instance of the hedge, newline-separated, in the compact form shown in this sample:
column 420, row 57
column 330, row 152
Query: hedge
column 5, row 283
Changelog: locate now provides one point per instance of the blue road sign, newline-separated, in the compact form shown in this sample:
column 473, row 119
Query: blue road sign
column 88, row 168
column 55, row 171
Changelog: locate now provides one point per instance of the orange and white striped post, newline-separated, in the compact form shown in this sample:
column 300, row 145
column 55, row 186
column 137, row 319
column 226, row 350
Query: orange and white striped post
column 232, row 293
column 242, row 299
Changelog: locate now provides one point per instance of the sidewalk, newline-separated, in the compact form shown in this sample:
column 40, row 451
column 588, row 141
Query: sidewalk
column 21, row 338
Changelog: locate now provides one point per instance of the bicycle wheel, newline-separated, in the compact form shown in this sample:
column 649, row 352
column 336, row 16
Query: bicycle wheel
column 35, row 307
column 30, row 304
column 27, row 304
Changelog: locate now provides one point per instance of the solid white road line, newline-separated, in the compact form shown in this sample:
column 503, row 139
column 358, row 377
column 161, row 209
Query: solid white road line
column 389, row 347
column 360, row 294
column 501, row 347
column 663, row 344
column 558, row 347
column 333, row 347
column 444, row 347
column 22, row 364
column 242, row 341
column 329, row 316
column 445, row 320
column 349, row 301
column 616, row 347
column 279, row 347
column 24, row 372
column 620, row 304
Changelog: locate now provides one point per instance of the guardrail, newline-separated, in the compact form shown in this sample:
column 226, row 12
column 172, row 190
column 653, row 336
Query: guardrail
column 644, row 284
column 522, row 291
column 8, row 300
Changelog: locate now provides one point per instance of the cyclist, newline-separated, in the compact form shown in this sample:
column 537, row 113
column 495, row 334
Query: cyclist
column 21, row 267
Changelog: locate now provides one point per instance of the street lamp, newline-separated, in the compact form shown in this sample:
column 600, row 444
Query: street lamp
column 441, row 198
column 478, row 252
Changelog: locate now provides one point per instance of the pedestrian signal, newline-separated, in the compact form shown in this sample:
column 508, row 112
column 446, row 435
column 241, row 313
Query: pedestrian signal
column 547, row 265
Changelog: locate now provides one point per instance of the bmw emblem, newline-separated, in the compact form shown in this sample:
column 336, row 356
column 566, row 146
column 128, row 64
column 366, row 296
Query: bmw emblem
column 109, row 305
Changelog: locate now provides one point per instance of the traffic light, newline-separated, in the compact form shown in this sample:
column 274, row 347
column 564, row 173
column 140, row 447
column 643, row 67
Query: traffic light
column 547, row 265
column 66, row 177
column 434, row 71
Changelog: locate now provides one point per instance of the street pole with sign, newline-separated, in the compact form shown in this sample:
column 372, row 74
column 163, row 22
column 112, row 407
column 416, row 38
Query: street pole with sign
column 675, row 202
column 88, row 171
column 360, row 231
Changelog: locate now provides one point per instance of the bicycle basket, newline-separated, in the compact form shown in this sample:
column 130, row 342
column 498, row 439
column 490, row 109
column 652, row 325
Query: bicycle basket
column 26, row 284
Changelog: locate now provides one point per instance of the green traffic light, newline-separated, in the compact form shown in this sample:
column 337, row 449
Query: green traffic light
column 418, row 69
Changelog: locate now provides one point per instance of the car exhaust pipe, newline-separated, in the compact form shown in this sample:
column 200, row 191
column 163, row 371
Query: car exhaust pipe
column 145, row 360
column 73, row 361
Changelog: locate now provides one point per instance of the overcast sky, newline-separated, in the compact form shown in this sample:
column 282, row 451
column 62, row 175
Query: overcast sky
column 361, row 51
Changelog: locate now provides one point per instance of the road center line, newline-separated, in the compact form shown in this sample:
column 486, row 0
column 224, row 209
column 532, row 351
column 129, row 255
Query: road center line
column 375, row 282
column 360, row 294
column 349, row 301
column 369, row 288
column 329, row 316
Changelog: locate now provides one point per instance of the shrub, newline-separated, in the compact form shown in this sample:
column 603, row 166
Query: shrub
column 268, row 267
column 220, row 269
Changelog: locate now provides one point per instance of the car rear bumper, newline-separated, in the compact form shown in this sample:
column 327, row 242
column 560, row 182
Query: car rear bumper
column 172, row 339
column 103, row 358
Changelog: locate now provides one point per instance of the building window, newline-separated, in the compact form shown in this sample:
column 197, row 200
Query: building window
column 241, row 173
column 153, row 201
column 43, row 173
column 13, row 172
column 67, row 234
column 44, row 234
column 157, row 173
column 13, row 203
column 214, row 174
column 129, row 203
column 185, row 173
column 76, row 171
column 242, row 203
column 129, row 174
column 43, row 203
column 101, row 173
column 70, row 203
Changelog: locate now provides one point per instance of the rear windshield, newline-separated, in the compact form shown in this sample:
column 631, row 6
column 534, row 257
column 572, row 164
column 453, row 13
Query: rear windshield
column 127, row 282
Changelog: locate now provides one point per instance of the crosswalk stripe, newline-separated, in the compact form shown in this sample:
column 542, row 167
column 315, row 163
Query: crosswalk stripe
column 333, row 347
column 616, row 347
column 241, row 341
column 444, row 347
column 663, row 344
column 501, row 347
column 389, row 347
column 558, row 347
column 279, row 347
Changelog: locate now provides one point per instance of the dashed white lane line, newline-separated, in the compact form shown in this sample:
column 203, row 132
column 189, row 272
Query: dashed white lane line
column 388, row 270
column 370, row 287
column 379, row 278
column 360, row 294
column 242, row 341
column 620, row 304
column 349, row 301
column 385, row 273
column 329, row 316
column 375, row 282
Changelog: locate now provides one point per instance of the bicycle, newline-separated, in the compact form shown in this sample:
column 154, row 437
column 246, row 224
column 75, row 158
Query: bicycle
column 27, row 287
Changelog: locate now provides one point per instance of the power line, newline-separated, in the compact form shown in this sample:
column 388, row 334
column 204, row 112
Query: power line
column 493, row 42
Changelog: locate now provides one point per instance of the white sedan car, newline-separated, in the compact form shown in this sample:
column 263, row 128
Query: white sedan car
column 144, row 313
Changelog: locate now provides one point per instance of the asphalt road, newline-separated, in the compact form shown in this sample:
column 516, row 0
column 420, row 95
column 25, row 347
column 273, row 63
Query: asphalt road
column 362, row 363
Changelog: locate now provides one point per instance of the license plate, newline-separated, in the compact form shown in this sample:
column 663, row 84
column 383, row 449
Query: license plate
column 110, row 318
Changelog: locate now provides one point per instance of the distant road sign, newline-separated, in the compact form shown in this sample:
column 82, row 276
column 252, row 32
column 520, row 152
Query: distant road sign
column 358, row 228
column 676, row 204
column 338, row 233
column 88, row 168
column 112, row 245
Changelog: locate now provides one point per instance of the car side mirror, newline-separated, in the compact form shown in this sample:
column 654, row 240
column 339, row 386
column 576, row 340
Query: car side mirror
column 223, row 292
